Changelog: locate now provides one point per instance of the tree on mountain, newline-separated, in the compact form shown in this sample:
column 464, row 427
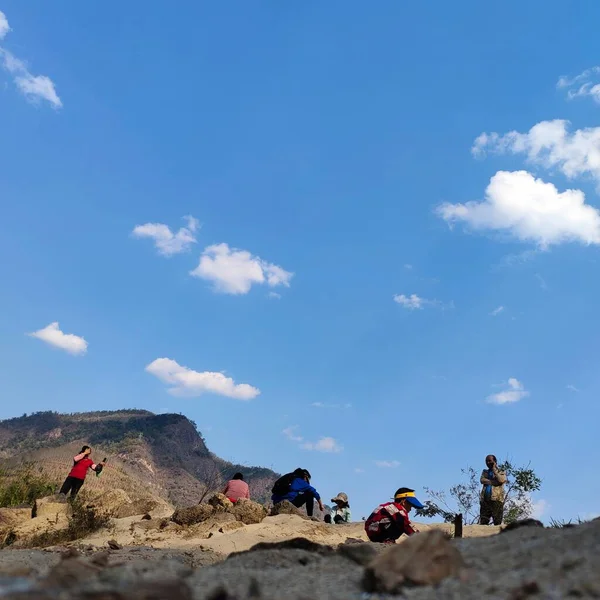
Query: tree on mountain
column 212, row 478
column 464, row 496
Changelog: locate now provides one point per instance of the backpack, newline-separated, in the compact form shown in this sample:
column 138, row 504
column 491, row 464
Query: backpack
column 282, row 486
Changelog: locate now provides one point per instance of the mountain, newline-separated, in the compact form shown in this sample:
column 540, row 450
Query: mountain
column 159, row 455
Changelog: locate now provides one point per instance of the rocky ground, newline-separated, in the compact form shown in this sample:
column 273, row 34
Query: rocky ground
column 529, row 562
column 219, row 552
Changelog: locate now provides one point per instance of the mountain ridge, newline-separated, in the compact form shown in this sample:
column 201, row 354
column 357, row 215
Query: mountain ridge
column 164, row 453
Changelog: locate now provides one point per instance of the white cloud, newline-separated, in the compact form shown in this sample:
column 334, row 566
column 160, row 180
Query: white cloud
column 530, row 210
column 359, row 470
column 539, row 508
column 33, row 87
column 234, row 271
column 514, row 392
column 497, row 311
column 166, row 242
column 572, row 388
column 4, row 26
column 414, row 302
column 274, row 296
column 411, row 302
column 550, row 145
column 408, row 267
column 324, row 444
column 387, row 464
column 586, row 83
column 187, row 382
column 73, row 344
column 290, row 434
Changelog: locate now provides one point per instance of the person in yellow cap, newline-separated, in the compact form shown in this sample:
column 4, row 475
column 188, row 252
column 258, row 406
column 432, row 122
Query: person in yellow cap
column 341, row 510
column 390, row 520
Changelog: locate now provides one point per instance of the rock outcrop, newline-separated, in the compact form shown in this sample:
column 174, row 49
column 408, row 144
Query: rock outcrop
column 245, row 511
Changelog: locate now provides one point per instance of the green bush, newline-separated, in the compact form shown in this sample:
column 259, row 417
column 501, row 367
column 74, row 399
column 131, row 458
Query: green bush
column 84, row 520
column 24, row 485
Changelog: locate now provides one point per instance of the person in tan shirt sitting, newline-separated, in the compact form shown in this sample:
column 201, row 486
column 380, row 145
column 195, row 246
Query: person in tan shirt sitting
column 237, row 488
column 492, row 492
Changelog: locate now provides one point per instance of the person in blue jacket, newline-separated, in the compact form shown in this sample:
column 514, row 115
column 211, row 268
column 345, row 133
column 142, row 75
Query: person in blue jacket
column 300, row 492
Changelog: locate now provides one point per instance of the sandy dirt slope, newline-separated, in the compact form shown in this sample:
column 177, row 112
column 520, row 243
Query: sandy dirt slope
column 132, row 531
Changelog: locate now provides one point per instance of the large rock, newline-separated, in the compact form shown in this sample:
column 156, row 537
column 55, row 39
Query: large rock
column 112, row 501
column 192, row 514
column 137, row 507
column 285, row 507
column 248, row 512
column 218, row 523
column 220, row 502
column 424, row 559
column 52, row 508
column 10, row 517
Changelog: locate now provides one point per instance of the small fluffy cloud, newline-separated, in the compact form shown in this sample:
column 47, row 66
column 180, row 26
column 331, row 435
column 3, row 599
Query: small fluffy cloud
column 190, row 383
column 530, row 210
column 290, row 434
column 550, row 145
column 33, row 87
column 234, row 271
column 36, row 87
column 323, row 444
column 586, row 83
column 166, row 241
column 497, row 311
column 73, row 344
column 387, row 464
column 414, row 302
column 514, row 392
column 4, row 27
column 411, row 302
column 573, row 388
column 539, row 508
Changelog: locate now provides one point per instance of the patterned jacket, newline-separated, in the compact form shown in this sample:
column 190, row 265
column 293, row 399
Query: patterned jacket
column 497, row 482
column 388, row 521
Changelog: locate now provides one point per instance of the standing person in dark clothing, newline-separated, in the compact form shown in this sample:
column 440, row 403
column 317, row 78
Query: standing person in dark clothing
column 81, row 463
column 492, row 492
column 297, row 489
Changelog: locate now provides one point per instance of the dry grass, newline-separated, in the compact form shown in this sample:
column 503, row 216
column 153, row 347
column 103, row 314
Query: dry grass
column 84, row 520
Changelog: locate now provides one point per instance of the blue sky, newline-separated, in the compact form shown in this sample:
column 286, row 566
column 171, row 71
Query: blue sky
column 299, row 177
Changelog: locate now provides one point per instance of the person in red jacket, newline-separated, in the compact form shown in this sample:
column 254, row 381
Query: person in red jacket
column 81, row 463
column 390, row 520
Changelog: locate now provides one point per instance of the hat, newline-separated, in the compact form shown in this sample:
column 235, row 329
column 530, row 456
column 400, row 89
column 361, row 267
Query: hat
column 409, row 497
column 341, row 497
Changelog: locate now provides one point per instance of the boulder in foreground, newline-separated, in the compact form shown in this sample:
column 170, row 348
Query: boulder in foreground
column 192, row 514
column 425, row 559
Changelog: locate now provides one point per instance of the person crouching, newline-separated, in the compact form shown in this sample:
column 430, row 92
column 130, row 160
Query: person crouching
column 237, row 488
column 390, row 520
column 340, row 512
